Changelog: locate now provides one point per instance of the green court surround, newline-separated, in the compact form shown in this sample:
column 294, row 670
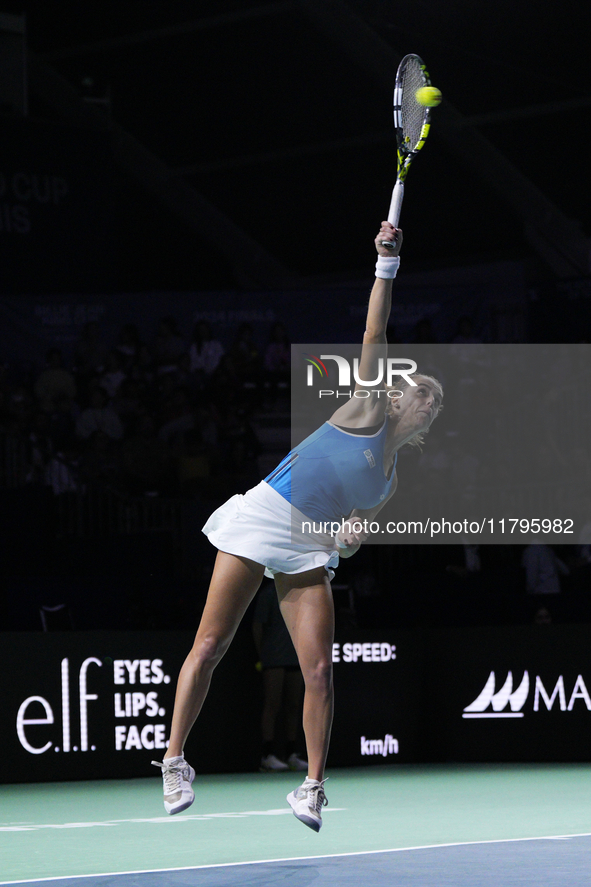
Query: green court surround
column 81, row 828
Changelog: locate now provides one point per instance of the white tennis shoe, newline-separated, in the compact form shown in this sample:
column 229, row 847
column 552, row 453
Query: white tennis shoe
column 272, row 764
column 307, row 802
column 294, row 762
column 177, row 777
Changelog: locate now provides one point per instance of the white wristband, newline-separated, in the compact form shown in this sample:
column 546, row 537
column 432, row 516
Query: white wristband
column 387, row 267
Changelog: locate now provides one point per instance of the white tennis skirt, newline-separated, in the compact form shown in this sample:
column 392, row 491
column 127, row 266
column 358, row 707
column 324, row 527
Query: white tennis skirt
column 263, row 526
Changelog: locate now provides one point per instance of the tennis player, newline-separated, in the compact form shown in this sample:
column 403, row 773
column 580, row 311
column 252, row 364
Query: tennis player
column 345, row 470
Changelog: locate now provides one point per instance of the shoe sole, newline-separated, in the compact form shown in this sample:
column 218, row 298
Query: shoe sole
column 312, row 823
column 185, row 802
column 178, row 808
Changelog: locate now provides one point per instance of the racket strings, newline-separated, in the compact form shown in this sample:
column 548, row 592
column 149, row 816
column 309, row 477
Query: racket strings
column 413, row 114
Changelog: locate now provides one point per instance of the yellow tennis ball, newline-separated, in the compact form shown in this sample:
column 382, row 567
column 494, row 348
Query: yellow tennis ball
column 428, row 96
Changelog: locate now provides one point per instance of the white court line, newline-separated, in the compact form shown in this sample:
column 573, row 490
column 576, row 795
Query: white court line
column 220, row 865
column 191, row 817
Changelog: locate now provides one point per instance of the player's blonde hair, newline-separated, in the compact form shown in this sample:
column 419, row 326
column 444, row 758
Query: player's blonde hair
column 419, row 438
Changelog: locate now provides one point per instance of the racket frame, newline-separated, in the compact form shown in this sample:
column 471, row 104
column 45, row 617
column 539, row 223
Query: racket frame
column 405, row 155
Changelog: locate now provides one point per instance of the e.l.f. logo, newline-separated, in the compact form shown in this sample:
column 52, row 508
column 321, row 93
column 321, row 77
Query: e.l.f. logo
column 84, row 697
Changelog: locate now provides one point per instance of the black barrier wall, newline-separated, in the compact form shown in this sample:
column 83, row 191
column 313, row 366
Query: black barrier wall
column 97, row 705
column 511, row 694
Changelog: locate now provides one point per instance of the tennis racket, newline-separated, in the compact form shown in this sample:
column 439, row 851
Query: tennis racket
column 411, row 124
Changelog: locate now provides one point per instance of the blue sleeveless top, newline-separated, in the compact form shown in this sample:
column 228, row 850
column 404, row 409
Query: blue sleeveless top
column 332, row 472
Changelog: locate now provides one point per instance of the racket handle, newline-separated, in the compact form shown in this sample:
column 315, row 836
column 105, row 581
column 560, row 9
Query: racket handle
column 395, row 207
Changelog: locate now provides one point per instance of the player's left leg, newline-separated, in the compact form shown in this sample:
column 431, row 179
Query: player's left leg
column 233, row 585
column 306, row 604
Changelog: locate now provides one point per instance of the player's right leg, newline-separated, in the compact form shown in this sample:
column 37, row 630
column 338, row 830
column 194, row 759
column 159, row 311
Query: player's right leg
column 233, row 585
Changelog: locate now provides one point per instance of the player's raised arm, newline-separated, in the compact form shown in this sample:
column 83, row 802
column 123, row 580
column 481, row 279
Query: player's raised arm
column 360, row 412
column 380, row 300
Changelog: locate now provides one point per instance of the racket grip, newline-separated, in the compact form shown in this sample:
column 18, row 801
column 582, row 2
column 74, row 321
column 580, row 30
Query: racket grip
column 394, row 211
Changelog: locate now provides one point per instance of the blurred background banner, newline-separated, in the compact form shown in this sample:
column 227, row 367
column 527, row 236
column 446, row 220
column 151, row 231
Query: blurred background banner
column 97, row 705
column 57, row 217
column 493, row 297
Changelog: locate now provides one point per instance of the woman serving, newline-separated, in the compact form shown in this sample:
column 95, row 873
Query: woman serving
column 345, row 471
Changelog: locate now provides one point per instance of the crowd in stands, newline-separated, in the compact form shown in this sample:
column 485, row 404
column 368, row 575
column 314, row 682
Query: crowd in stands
column 170, row 417
column 176, row 417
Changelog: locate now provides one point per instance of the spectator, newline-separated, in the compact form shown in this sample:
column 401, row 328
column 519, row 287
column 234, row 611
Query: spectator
column 54, row 382
column 465, row 333
column 146, row 461
column 278, row 351
column 100, row 463
column 224, row 382
column 162, row 395
column 41, row 448
column 470, row 566
column 177, row 415
column 277, row 359
column 542, row 569
column 62, row 424
column 113, row 376
column 127, row 402
column 542, row 617
column 19, row 410
column 205, row 352
column 89, row 351
column 246, row 356
column 168, row 346
column 142, row 370
column 193, row 464
column 61, row 474
column 283, row 684
column 128, row 345
column 240, row 447
column 99, row 417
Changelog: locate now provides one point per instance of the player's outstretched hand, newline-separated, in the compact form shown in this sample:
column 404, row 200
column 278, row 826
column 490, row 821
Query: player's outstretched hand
column 392, row 235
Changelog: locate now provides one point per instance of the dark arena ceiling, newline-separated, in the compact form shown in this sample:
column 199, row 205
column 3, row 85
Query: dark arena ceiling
column 268, row 126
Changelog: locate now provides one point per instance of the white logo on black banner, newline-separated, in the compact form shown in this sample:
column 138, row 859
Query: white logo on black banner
column 498, row 701
column 515, row 699
column 386, row 746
